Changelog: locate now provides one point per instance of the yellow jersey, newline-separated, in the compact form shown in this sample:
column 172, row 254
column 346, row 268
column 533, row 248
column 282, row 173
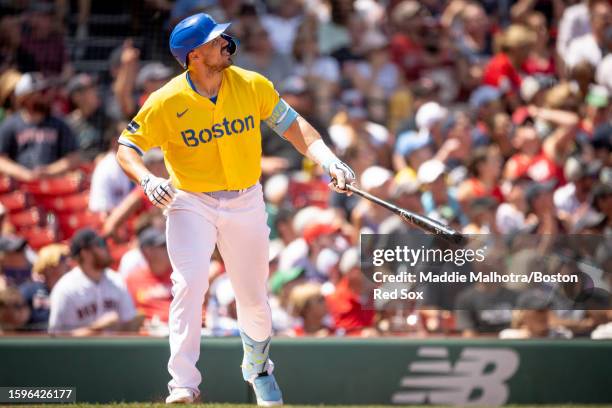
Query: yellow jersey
column 207, row 146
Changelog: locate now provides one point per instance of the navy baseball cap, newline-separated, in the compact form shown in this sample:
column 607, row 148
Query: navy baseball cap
column 151, row 237
column 85, row 238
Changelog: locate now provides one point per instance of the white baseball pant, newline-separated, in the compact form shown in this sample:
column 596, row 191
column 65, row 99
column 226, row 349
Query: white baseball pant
column 196, row 222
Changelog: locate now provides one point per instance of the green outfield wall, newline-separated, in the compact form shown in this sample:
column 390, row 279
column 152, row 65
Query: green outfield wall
column 326, row 371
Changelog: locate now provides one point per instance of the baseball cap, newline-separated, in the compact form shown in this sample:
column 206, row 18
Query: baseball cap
column 354, row 103
column 576, row 168
column 11, row 243
column 151, row 237
column 283, row 277
column 410, row 141
column 79, row 83
column 30, row 83
column 153, row 71
column 602, row 137
column 534, row 189
column 374, row 177
column 85, row 238
column 429, row 171
column 598, row 96
column 429, row 114
column 317, row 230
column 293, row 85
column 483, row 95
column 534, row 299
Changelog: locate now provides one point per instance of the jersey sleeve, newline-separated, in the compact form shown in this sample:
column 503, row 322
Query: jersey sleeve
column 146, row 130
column 267, row 96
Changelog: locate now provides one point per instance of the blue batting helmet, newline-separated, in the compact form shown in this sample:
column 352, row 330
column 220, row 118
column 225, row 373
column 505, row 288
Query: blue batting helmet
column 194, row 31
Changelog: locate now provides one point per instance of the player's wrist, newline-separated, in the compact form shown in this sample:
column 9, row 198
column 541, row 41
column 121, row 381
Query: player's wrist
column 321, row 154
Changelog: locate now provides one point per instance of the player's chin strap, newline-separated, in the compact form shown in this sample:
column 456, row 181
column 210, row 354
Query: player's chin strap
column 233, row 43
column 255, row 361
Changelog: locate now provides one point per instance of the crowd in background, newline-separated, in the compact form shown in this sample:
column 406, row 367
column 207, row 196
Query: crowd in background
column 491, row 116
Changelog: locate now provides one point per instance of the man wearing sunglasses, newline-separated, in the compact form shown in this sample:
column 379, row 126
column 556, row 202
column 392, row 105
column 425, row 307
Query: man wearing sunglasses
column 91, row 298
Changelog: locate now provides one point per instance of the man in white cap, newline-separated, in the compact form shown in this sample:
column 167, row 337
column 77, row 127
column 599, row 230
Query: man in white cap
column 33, row 142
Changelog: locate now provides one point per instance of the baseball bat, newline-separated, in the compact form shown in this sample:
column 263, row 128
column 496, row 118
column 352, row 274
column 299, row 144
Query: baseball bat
column 420, row 221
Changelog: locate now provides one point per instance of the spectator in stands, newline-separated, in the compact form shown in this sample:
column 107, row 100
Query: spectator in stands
column 367, row 216
column 307, row 303
column 258, row 54
column 282, row 24
column 437, row 194
column 221, row 312
column 150, row 284
column 136, row 201
column 485, row 308
column 91, row 298
column 88, row 119
column 51, row 264
column 14, row 260
column 541, row 60
column 504, row 69
column 43, row 39
column 14, row 311
column 13, row 55
column 150, row 78
column 34, row 143
column 109, row 184
column 350, row 304
column 589, row 46
column 539, row 198
column 533, row 319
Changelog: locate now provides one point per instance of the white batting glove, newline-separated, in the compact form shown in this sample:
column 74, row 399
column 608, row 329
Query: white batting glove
column 342, row 175
column 158, row 190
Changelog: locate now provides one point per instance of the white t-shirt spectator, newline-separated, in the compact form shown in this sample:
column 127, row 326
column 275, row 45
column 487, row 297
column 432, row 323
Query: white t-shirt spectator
column 130, row 261
column 583, row 48
column 281, row 31
column 574, row 23
column 324, row 68
column 109, row 185
column 509, row 219
column 386, row 78
column 77, row 301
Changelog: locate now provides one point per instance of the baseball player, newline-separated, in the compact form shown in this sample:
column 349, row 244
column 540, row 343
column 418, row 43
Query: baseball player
column 207, row 123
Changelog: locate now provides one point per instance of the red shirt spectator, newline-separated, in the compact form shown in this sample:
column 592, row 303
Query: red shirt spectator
column 501, row 74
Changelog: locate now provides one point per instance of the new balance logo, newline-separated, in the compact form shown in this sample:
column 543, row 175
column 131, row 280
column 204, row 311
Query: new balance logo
column 478, row 377
column 180, row 114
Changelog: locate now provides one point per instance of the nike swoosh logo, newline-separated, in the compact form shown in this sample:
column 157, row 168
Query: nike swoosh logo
column 180, row 114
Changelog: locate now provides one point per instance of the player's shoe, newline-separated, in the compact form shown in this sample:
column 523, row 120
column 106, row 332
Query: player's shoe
column 181, row 396
column 267, row 391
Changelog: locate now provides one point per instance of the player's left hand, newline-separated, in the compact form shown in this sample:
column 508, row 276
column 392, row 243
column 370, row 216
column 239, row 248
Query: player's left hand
column 159, row 191
column 342, row 175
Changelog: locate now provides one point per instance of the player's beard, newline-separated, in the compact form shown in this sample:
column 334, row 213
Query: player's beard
column 102, row 261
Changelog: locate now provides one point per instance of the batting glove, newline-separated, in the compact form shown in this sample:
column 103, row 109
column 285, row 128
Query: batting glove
column 159, row 191
column 342, row 175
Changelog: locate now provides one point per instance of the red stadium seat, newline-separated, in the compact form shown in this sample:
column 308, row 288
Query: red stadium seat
column 6, row 184
column 314, row 192
column 55, row 186
column 72, row 203
column 38, row 237
column 15, row 201
column 70, row 223
column 27, row 218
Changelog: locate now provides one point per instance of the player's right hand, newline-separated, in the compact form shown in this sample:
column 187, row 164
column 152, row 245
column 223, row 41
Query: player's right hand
column 159, row 191
column 342, row 175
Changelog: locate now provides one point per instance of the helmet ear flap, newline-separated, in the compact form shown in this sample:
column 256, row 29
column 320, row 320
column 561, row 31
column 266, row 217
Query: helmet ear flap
column 232, row 43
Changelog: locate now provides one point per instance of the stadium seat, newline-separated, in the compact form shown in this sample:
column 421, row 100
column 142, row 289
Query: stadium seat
column 55, row 186
column 72, row 203
column 6, row 184
column 15, row 201
column 27, row 218
column 70, row 223
column 38, row 237
column 315, row 192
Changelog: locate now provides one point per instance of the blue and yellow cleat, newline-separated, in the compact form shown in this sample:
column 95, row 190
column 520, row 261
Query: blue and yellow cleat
column 267, row 391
